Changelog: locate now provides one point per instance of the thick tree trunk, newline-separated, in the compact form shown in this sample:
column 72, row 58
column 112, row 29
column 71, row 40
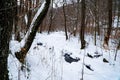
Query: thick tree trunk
column 6, row 20
column 22, row 54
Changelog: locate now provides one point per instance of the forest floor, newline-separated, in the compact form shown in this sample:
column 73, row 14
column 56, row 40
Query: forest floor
column 52, row 57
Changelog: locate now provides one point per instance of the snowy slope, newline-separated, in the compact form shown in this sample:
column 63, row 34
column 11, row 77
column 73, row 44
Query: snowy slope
column 46, row 61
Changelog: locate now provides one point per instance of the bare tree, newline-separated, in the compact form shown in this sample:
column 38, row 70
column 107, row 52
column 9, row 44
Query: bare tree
column 107, row 36
column 33, row 29
column 82, row 30
column 64, row 14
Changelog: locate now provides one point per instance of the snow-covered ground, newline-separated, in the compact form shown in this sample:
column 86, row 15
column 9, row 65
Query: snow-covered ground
column 45, row 60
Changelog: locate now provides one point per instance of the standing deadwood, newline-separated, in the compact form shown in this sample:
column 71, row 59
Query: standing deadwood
column 22, row 54
column 64, row 13
column 82, row 31
column 6, row 23
column 107, row 36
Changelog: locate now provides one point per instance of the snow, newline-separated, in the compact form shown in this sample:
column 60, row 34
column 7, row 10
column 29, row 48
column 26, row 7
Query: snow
column 116, row 22
column 26, row 19
column 46, row 61
column 18, row 2
column 59, row 3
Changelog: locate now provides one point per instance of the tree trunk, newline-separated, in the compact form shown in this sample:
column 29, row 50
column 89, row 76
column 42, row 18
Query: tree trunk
column 77, row 16
column 22, row 54
column 6, row 21
column 64, row 14
column 118, row 46
column 29, row 14
column 51, row 18
column 107, row 36
column 82, row 31
column 118, row 21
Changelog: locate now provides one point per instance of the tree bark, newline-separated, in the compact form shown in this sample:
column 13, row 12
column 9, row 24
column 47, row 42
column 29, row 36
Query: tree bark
column 29, row 14
column 107, row 36
column 82, row 31
column 22, row 54
column 64, row 14
column 6, row 21
column 51, row 18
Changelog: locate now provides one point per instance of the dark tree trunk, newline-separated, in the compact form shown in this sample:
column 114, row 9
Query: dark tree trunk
column 51, row 18
column 6, row 20
column 29, row 15
column 41, row 27
column 107, row 36
column 77, row 16
column 64, row 14
column 95, row 3
column 22, row 54
column 82, row 31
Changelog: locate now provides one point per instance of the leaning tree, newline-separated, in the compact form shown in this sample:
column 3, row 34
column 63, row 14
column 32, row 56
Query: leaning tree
column 30, row 35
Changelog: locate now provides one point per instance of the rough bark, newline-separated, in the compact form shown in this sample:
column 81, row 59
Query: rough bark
column 22, row 54
column 6, row 20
